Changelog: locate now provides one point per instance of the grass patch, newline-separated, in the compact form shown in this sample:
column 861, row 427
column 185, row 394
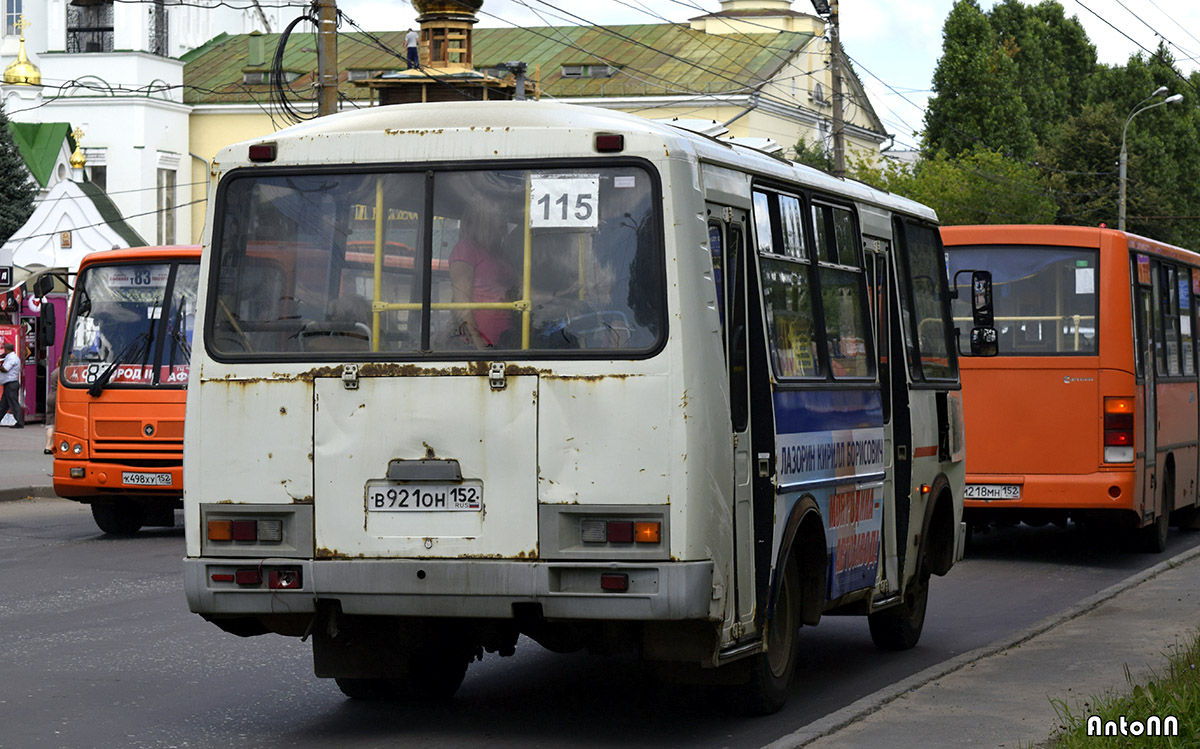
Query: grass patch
column 1174, row 693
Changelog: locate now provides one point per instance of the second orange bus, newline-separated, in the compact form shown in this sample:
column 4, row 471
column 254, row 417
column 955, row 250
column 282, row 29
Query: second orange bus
column 118, row 430
column 1089, row 411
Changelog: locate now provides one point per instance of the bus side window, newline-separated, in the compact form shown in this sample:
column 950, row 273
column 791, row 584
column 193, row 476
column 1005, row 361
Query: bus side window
column 1187, row 337
column 788, row 297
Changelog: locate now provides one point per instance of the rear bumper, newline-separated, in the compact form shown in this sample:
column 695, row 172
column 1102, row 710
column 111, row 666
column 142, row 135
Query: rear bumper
column 1091, row 491
column 106, row 478
column 664, row 591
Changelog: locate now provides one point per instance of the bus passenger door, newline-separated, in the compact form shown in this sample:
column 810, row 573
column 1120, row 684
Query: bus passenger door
column 878, row 253
column 1146, row 460
column 727, row 243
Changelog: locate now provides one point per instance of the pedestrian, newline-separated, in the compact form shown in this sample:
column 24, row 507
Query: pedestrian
column 51, row 400
column 410, row 42
column 10, row 376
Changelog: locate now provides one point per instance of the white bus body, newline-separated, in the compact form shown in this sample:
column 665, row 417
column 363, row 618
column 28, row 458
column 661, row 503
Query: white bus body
column 691, row 472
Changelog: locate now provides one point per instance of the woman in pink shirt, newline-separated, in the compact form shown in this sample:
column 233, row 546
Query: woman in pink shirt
column 481, row 274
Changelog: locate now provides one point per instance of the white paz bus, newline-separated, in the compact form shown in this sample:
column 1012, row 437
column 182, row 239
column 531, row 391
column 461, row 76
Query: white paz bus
column 475, row 370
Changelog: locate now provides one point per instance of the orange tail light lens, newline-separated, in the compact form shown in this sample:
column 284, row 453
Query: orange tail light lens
column 646, row 532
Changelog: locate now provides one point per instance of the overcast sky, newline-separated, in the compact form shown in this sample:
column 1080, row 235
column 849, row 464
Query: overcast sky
column 894, row 45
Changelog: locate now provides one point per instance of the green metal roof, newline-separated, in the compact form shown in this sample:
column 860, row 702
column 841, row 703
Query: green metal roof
column 653, row 60
column 40, row 143
column 111, row 214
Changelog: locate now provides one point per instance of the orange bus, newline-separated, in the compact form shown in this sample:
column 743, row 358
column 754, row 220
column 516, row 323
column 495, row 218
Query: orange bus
column 118, row 429
column 1089, row 411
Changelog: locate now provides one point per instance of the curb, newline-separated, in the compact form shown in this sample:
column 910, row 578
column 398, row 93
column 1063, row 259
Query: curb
column 840, row 719
column 27, row 492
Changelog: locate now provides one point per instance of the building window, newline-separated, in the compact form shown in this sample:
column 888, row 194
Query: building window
column 12, row 14
column 158, row 29
column 166, row 206
column 90, row 27
column 98, row 175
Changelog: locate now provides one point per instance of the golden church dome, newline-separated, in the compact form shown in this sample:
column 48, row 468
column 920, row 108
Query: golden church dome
column 21, row 71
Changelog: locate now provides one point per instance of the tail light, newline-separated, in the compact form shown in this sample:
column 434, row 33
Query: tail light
column 259, row 530
column 601, row 531
column 1118, row 430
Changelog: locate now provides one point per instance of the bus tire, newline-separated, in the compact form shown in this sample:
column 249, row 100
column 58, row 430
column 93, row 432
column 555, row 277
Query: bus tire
column 1153, row 537
column 436, row 673
column 771, row 671
column 899, row 627
column 364, row 689
column 118, row 518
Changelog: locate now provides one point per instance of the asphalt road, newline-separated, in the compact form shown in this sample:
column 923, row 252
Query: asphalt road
column 97, row 649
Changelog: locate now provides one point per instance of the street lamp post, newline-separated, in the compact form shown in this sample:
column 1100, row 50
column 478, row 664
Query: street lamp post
column 1137, row 109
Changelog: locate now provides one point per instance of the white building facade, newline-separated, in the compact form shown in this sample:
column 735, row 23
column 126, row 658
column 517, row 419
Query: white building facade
column 109, row 69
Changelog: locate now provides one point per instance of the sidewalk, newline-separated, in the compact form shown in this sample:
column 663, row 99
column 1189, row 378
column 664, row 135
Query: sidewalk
column 999, row 695
column 25, row 471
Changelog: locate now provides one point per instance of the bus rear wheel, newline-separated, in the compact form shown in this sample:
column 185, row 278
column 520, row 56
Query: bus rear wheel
column 1154, row 536
column 364, row 689
column 899, row 627
column 118, row 518
column 771, row 672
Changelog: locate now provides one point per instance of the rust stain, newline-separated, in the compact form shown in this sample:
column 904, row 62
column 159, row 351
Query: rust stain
column 410, row 369
column 429, row 453
column 306, row 500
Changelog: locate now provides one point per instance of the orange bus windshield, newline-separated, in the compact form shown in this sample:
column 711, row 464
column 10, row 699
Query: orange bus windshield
column 131, row 324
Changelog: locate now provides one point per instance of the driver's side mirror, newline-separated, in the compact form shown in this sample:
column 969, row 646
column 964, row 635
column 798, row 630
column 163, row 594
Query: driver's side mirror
column 48, row 322
column 984, row 340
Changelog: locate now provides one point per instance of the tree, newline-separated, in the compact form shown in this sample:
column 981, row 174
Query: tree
column 814, row 155
column 980, row 187
column 16, row 189
column 977, row 101
column 1081, row 160
column 1163, row 145
column 1053, row 57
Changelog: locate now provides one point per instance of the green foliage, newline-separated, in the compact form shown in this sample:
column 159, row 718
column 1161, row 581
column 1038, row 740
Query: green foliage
column 814, row 155
column 16, row 189
column 979, row 187
column 1021, row 107
column 1175, row 693
column 1053, row 57
column 977, row 100
column 1080, row 158
column 1162, row 143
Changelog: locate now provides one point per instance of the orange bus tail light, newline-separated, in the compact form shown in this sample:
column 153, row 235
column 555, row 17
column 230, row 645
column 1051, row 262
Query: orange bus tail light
column 1118, row 430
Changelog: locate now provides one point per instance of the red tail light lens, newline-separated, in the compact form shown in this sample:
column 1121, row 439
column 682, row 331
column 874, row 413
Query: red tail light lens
column 1118, row 422
column 617, row 582
column 620, row 531
column 1118, row 430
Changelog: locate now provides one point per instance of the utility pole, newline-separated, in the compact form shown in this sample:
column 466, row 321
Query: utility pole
column 327, row 62
column 835, row 70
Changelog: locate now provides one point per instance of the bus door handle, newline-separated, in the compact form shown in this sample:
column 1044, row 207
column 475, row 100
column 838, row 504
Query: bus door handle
column 764, row 465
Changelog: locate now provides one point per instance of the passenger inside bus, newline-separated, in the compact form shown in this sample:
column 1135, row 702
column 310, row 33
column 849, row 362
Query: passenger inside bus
column 480, row 272
column 588, row 286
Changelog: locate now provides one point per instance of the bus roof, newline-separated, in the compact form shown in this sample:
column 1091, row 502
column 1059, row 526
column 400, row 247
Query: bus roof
column 130, row 254
column 1059, row 236
column 502, row 127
